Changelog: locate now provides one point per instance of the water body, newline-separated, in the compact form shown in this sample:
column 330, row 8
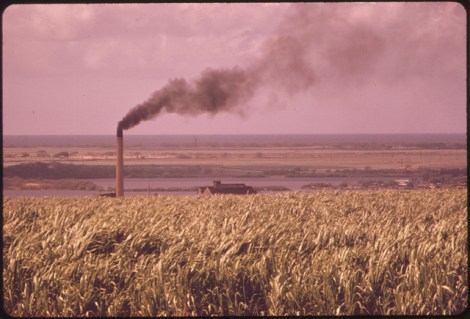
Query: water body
column 293, row 184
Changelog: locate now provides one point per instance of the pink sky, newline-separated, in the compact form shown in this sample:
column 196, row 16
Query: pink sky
column 322, row 67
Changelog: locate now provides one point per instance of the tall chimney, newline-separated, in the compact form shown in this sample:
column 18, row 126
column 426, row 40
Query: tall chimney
column 119, row 165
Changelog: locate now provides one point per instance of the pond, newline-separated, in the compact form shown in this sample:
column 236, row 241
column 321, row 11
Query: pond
column 187, row 186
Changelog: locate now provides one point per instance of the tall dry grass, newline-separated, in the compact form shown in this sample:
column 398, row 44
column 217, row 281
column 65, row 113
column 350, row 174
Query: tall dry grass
column 326, row 253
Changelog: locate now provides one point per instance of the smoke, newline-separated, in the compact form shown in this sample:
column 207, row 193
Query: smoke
column 214, row 91
column 349, row 45
column 283, row 65
column 228, row 90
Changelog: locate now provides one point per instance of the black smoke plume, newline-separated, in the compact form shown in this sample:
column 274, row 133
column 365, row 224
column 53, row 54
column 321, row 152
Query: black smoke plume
column 214, row 91
column 347, row 51
column 228, row 90
column 283, row 65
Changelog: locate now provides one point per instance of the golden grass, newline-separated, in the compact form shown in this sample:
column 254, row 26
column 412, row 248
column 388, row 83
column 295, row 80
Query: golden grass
column 326, row 253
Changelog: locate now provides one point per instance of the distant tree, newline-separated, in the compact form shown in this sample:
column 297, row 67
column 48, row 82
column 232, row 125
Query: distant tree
column 62, row 154
column 42, row 153
column 183, row 156
column 24, row 154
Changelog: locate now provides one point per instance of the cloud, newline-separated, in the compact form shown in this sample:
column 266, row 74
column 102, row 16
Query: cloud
column 380, row 41
column 328, row 51
column 130, row 37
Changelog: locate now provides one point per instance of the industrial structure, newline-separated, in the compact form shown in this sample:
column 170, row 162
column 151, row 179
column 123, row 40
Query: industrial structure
column 219, row 188
column 119, row 164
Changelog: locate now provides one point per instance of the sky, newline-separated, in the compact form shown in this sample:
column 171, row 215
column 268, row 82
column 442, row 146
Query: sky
column 264, row 68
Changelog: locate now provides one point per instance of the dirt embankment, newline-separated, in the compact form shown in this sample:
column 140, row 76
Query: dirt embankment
column 18, row 183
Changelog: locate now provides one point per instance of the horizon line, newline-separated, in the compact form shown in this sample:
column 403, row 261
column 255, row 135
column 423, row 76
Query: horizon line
column 240, row 134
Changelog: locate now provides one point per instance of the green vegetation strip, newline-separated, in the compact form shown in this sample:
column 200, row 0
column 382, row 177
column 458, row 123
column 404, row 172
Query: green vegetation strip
column 325, row 253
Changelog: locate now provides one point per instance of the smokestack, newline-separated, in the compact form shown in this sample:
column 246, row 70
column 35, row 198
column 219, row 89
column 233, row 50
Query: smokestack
column 119, row 164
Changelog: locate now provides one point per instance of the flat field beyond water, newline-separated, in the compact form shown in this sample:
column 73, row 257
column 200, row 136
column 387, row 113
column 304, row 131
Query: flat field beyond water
column 325, row 253
column 254, row 159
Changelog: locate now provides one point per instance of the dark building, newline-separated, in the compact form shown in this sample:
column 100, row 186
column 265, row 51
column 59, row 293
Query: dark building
column 219, row 188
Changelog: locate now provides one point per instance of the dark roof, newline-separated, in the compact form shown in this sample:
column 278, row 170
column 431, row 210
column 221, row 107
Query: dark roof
column 231, row 190
column 220, row 188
